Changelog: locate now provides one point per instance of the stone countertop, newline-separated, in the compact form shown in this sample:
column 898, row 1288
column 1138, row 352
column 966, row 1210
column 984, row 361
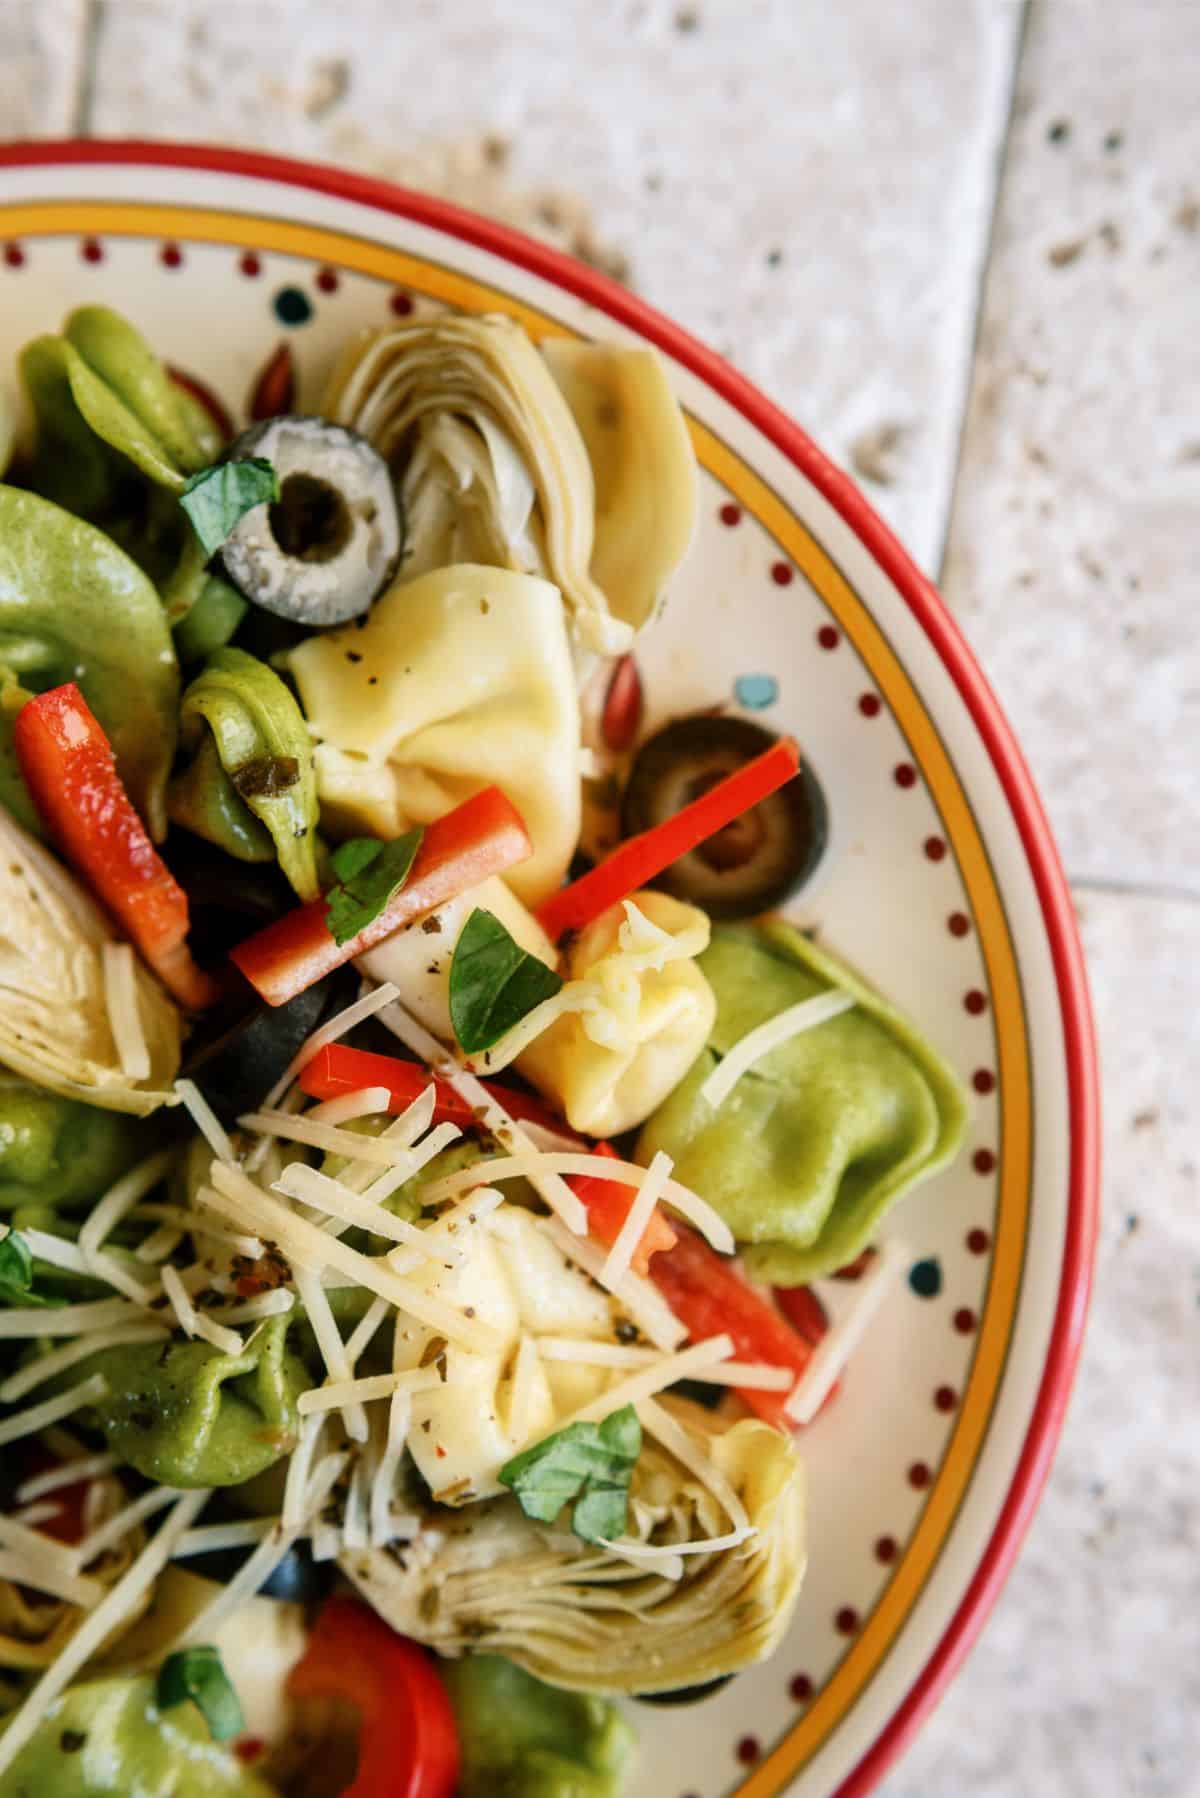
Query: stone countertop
column 960, row 240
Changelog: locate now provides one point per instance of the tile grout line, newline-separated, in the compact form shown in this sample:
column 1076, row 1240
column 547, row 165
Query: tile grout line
column 985, row 265
column 1171, row 891
column 91, row 21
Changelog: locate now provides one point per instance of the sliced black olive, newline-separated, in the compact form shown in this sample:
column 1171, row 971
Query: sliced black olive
column 700, row 1394
column 755, row 862
column 685, row 1694
column 238, row 1059
column 331, row 541
column 298, row 1579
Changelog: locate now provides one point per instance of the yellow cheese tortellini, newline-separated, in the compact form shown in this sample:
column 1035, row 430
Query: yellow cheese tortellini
column 457, row 681
column 644, row 1014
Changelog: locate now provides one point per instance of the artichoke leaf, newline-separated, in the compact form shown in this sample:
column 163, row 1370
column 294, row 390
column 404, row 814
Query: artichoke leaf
column 642, row 463
column 75, row 607
column 265, row 760
column 488, row 1580
column 396, row 386
column 54, row 1026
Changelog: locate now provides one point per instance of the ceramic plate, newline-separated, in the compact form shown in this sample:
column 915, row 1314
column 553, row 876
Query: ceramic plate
column 796, row 606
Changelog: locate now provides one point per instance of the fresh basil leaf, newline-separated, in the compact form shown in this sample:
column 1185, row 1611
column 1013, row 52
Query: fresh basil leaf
column 370, row 874
column 589, row 1462
column 494, row 983
column 16, row 1274
column 218, row 497
column 197, row 1674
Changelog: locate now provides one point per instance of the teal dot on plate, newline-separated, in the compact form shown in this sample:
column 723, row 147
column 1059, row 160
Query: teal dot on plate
column 756, row 691
column 292, row 307
column 925, row 1278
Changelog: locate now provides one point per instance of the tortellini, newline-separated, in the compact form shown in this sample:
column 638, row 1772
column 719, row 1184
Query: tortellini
column 56, row 1151
column 457, row 681
column 189, row 1415
column 645, row 1012
column 54, row 1025
column 489, row 1580
column 822, row 1135
column 108, row 1736
column 522, row 1738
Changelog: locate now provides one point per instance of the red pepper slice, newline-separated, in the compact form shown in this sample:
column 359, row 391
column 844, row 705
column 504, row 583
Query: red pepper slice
column 338, row 1069
column 608, row 1203
column 642, row 858
column 710, row 1296
column 408, row 1744
column 68, row 765
column 482, row 836
column 803, row 1310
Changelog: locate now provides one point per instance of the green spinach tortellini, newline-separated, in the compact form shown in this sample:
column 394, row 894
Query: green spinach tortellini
column 188, row 1415
column 823, row 1134
column 521, row 1738
column 108, row 1739
column 58, row 1151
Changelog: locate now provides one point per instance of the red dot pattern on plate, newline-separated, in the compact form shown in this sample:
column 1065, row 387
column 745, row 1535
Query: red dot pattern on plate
column 91, row 250
column 983, row 1080
column 801, row 1688
column 983, row 1161
column 919, row 1475
column 730, row 515
column 869, row 705
column 781, row 574
column 905, row 775
column 975, row 1002
column 401, row 304
column 935, row 848
column 327, row 280
column 748, row 1750
column 886, row 1550
column 945, row 1398
column 958, row 923
column 964, row 1321
column 846, row 1621
column 250, row 265
column 978, row 1241
column 171, row 256
column 828, row 637
column 14, row 255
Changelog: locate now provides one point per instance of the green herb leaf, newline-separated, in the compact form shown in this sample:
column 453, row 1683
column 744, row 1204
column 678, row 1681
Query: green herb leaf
column 589, row 1462
column 16, row 1274
column 370, row 874
column 218, row 497
column 197, row 1674
column 494, row 983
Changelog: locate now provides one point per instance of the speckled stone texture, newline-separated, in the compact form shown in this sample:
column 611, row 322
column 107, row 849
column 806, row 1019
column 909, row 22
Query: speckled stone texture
column 832, row 195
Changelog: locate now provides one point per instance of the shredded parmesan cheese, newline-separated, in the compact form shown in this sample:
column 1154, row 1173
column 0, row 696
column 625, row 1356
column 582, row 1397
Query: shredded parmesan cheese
column 195, row 1323
column 637, row 1218
column 263, row 1304
column 69, row 1320
column 124, row 1015
column 47, row 1367
column 364, row 1007
column 332, row 1348
column 376, row 1151
column 211, row 1538
column 757, row 1043
column 312, row 1187
column 206, row 1120
column 67, row 1473
column 676, row 1440
column 73, row 1588
column 546, row 1183
column 636, row 1295
column 655, row 1551
column 110, row 1532
column 158, row 1244
column 121, row 1602
column 373, row 1386
column 298, row 1471
column 834, row 1350
column 368, row 1101
column 53, row 1410
column 444, row 1237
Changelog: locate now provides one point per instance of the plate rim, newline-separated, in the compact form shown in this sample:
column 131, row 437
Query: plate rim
column 932, row 615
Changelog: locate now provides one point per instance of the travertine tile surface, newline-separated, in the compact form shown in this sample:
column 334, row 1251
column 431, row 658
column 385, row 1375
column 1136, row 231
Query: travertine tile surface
column 811, row 189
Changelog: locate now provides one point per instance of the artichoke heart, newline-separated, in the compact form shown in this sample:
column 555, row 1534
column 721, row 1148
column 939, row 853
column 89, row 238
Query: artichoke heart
column 501, row 461
column 487, row 1580
column 54, row 1023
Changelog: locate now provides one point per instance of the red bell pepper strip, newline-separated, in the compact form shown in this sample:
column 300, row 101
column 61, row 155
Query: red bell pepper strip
column 803, row 1310
column 710, row 1296
column 642, row 858
column 608, row 1203
column 338, row 1069
column 408, row 1742
column 482, row 836
column 68, row 765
